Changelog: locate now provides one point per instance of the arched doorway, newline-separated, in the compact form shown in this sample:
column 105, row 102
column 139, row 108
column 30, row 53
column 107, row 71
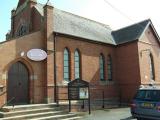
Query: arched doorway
column 18, row 84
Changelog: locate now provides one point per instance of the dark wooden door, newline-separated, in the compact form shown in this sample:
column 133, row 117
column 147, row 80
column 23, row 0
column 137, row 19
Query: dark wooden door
column 18, row 84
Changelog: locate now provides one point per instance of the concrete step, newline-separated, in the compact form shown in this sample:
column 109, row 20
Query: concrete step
column 57, row 117
column 28, row 111
column 38, row 112
column 73, row 118
column 28, row 107
column 31, row 116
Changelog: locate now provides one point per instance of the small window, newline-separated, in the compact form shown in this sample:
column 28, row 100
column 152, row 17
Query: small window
column 102, row 63
column 66, row 65
column 109, row 67
column 152, row 71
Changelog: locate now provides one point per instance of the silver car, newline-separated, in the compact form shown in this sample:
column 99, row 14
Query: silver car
column 146, row 104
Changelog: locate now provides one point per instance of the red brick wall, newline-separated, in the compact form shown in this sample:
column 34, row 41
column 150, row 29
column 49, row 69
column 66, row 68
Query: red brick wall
column 127, row 70
column 36, row 20
column 49, row 46
column 90, row 53
column 11, row 54
column 149, row 44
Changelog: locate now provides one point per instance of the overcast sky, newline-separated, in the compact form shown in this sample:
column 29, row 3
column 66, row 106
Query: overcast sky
column 98, row 10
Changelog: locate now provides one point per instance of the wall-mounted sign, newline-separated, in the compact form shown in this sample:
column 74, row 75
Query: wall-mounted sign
column 36, row 54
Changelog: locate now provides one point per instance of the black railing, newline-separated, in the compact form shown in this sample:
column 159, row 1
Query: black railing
column 8, row 102
column 98, row 96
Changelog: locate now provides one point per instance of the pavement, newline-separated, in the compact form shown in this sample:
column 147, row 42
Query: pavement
column 109, row 114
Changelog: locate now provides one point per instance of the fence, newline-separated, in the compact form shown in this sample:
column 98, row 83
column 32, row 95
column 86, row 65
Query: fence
column 100, row 98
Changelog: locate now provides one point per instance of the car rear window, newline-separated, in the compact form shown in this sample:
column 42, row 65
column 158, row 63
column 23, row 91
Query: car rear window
column 149, row 95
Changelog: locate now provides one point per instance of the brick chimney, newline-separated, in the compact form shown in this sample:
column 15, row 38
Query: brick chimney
column 49, row 46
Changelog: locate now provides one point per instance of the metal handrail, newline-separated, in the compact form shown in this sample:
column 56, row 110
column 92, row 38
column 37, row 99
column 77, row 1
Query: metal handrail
column 13, row 98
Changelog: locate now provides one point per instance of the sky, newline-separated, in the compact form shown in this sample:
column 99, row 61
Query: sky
column 131, row 11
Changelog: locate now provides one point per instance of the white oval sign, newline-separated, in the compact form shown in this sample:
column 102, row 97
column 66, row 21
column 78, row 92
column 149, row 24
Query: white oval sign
column 36, row 54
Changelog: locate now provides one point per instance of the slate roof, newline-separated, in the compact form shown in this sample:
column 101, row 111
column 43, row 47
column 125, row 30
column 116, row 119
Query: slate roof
column 81, row 27
column 70, row 24
column 130, row 33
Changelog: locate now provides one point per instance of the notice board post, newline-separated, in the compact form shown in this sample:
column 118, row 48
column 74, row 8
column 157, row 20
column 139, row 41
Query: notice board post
column 79, row 90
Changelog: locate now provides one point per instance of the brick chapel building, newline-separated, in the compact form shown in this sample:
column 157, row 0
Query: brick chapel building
column 115, row 62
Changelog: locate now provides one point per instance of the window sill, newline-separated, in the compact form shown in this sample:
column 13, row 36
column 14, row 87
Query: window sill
column 106, row 82
column 63, row 83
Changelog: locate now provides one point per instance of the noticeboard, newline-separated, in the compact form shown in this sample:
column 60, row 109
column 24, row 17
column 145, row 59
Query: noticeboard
column 78, row 90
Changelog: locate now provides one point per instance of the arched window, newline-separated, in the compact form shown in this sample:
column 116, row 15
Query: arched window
column 152, row 72
column 66, row 65
column 77, row 64
column 22, row 30
column 102, row 66
column 109, row 67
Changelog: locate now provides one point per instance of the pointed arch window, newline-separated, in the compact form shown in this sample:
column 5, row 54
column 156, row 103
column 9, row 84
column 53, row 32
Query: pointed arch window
column 77, row 64
column 102, row 66
column 66, row 65
column 109, row 67
column 152, row 71
column 22, row 30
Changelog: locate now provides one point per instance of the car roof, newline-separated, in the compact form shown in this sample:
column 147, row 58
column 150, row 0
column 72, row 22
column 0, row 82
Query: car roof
column 150, row 88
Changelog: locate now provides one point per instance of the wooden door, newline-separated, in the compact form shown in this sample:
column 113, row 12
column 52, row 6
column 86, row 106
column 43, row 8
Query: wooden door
column 18, row 84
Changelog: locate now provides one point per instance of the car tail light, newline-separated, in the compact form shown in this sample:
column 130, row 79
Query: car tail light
column 133, row 105
column 158, row 108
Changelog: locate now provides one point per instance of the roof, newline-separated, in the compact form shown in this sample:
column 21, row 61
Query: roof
column 130, row 33
column 70, row 24
column 74, row 25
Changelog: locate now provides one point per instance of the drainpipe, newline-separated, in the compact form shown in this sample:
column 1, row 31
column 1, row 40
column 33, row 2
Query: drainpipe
column 55, row 69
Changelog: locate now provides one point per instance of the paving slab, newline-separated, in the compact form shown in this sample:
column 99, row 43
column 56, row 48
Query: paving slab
column 109, row 114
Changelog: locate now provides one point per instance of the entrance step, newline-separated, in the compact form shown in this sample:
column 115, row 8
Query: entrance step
column 29, row 107
column 37, row 112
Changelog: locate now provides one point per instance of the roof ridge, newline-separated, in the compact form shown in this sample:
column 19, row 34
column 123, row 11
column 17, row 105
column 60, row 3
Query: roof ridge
column 132, row 25
column 107, row 26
